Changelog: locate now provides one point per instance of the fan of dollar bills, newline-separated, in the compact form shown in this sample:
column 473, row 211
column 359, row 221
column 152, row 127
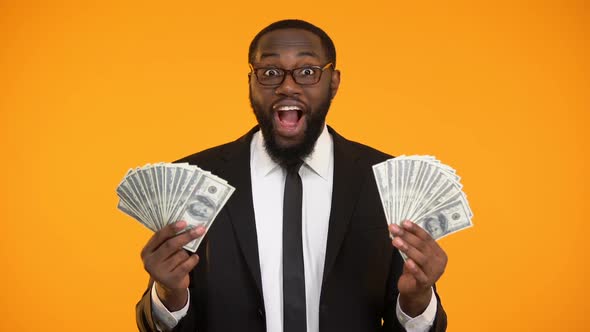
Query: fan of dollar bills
column 159, row 194
column 425, row 191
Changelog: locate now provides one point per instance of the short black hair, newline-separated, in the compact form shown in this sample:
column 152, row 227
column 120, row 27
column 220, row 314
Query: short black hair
column 327, row 42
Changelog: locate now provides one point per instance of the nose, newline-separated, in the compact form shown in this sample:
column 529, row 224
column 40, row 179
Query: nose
column 288, row 87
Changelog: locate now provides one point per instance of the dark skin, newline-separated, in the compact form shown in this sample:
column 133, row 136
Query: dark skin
column 169, row 265
column 425, row 264
column 289, row 49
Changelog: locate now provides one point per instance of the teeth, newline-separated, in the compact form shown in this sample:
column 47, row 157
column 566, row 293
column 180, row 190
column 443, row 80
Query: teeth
column 288, row 108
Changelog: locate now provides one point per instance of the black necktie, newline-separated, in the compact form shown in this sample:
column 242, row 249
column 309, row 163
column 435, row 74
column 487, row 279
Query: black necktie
column 294, row 318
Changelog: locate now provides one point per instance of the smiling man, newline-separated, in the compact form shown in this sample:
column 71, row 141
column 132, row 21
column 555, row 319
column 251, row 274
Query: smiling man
column 303, row 243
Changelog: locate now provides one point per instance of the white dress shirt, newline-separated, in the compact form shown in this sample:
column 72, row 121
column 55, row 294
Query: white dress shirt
column 268, row 182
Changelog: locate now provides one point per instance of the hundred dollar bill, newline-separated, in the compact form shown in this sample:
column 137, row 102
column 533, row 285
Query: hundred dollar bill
column 159, row 194
column 447, row 219
column 380, row 171
column 203, row 205
column 423, row 190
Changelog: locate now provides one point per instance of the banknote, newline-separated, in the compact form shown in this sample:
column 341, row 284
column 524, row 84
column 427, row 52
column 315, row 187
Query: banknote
column 204, row 203
column 163, row 193
column 425, row 191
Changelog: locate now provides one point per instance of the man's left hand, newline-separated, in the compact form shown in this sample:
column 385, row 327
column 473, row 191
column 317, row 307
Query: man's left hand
column 425, row 264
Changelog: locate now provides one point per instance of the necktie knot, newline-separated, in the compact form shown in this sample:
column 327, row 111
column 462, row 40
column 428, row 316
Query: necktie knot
column 293, row 168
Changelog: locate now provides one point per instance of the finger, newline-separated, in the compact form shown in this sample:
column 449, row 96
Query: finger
column 416, row 272
column 421, row 240
column 412, row 252
column 186, row 266
column 173, row 261
column 422, row 245
column 395, row 230
column 416, row 230
column 406, row 227
column 161, row 236
column 172, row 245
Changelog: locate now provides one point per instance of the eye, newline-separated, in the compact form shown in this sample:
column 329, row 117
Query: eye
column 272, row 72
column 307, row 71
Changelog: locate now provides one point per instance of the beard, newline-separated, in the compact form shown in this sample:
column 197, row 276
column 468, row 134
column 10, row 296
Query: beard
column 289, row 155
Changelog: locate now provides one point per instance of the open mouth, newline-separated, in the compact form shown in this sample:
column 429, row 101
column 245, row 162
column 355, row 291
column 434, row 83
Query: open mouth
column 289, row 116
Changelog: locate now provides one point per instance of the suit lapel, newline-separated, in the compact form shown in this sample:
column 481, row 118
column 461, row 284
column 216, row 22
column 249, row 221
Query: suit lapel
column 240, row 207
column 346, row 186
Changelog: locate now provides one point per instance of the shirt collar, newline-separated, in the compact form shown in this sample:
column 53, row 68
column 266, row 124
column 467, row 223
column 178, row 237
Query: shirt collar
column 318, row 160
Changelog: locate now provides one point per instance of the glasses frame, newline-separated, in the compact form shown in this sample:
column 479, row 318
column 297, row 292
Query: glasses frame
column 289, row 72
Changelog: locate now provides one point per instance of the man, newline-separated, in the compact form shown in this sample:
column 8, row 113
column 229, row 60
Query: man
column 353, row 277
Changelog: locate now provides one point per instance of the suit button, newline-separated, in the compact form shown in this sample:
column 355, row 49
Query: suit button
column 323, row 308
column 260, row 312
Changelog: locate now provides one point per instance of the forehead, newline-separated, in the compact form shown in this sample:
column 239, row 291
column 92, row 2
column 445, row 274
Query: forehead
column 289, row 43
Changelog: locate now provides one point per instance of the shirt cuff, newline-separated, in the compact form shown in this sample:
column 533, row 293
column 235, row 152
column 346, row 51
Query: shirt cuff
column 420, row 323
column 163, row 317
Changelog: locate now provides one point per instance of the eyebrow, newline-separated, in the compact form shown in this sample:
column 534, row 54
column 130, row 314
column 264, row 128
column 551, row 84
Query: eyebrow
column 300, row 54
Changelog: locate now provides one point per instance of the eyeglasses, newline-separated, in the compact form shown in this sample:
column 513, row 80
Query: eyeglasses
column 272, row 76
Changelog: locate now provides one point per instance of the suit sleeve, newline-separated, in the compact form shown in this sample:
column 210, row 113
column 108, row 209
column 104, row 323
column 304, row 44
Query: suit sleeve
column 195, row 318
column 440, row 322
column 390, row 321
column 143, row 312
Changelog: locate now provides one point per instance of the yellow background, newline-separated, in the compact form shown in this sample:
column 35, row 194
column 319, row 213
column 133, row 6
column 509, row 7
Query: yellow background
column 498, row 90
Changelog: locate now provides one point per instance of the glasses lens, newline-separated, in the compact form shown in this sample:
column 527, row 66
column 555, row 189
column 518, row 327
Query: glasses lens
column 270, row 76
column 307, row 75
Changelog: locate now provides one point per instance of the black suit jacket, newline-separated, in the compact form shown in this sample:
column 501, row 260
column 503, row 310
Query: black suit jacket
column 359, row 289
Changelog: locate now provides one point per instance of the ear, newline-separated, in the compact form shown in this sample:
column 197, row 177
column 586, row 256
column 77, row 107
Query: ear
column 249, row 77
column 335, row 83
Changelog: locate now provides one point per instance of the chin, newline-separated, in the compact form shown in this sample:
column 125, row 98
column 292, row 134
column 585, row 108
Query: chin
column 287, row 150
column 288, row 143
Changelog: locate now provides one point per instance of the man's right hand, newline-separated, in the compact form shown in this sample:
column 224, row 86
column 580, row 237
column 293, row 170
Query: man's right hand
column 169, row 264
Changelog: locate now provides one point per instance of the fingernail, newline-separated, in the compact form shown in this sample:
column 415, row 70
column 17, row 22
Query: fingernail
column 180, row 225
column 396, row 230
column 407, row 223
